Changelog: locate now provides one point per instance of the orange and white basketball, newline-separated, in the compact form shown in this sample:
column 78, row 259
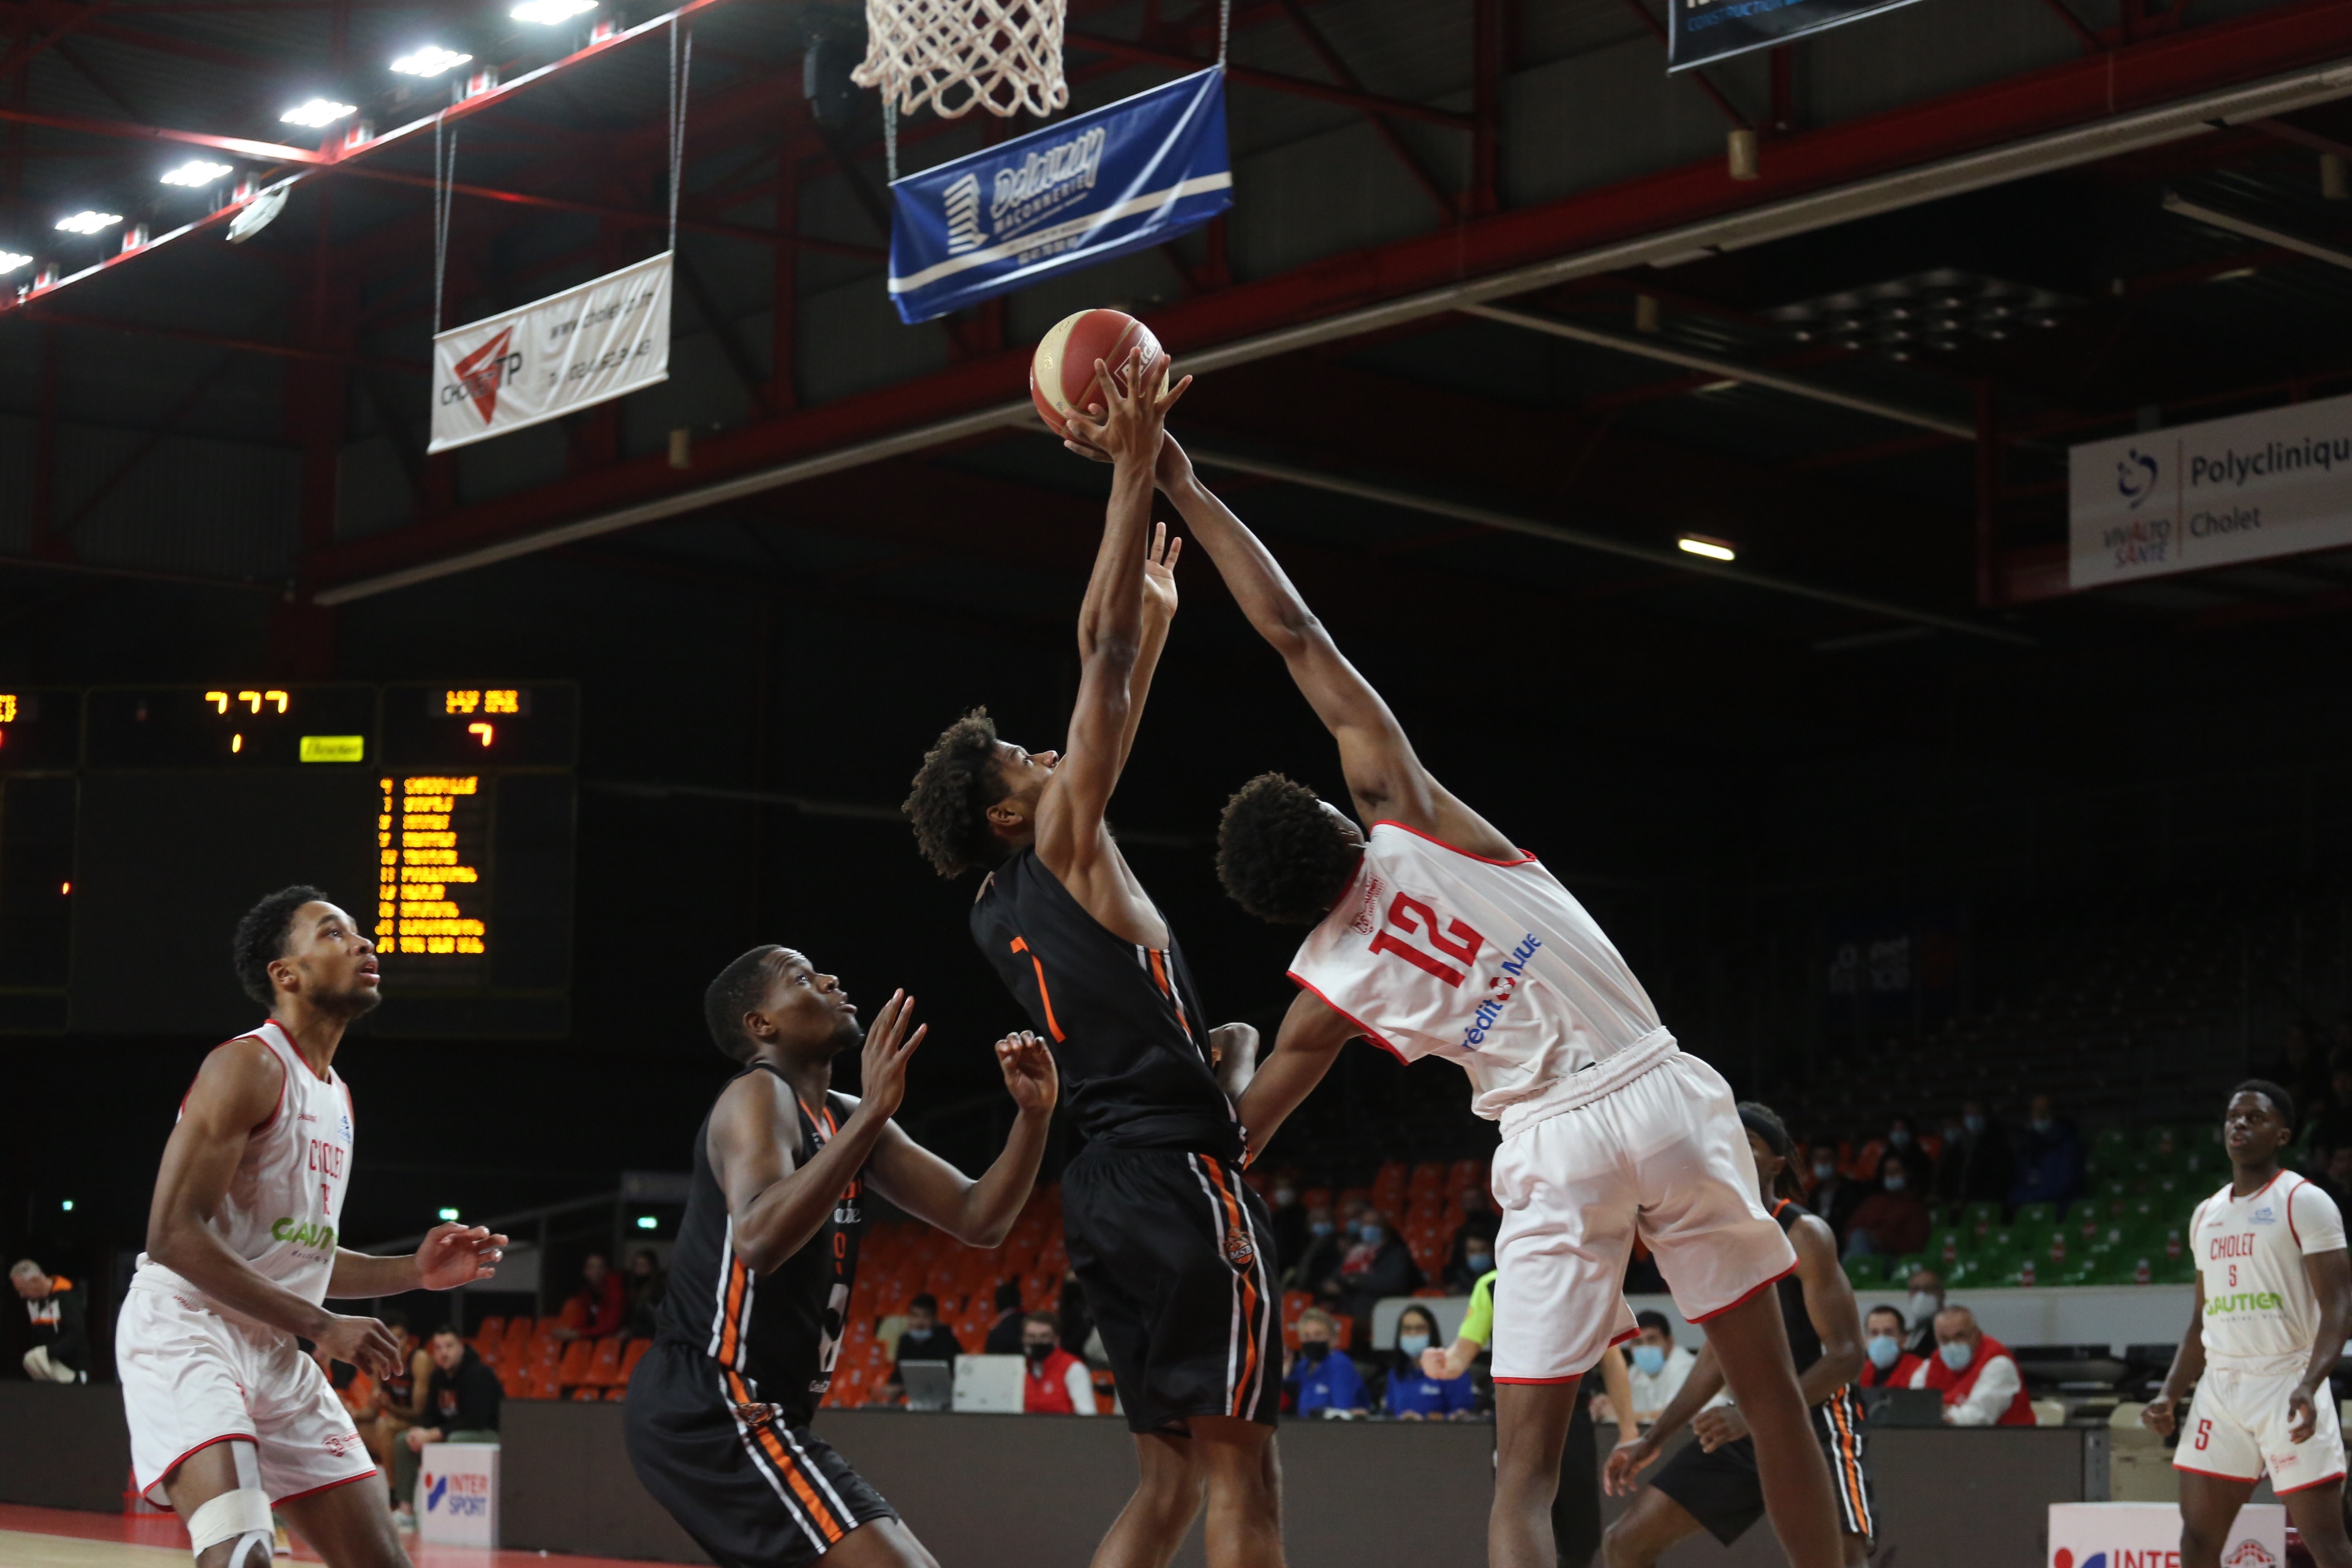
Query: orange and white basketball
column 1062, row 374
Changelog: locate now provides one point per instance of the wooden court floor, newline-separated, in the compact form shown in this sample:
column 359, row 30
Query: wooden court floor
column 64, row 1538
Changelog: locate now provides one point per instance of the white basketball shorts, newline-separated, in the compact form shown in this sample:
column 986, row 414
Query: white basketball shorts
column 1663, row 1157
column 2237, row 1427
column 192, row 1378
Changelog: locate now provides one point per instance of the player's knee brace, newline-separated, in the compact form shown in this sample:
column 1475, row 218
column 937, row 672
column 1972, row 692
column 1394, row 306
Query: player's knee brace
column 241, row 1516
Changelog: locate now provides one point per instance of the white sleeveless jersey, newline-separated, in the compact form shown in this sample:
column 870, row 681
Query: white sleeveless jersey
column 2259, row 1305
column 280, row 1211
column 1491, row 963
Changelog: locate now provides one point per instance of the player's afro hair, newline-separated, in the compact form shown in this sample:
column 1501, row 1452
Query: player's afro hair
column 2280, row 1100
column 262, row 933
column 1766, row 1123
column 741, row 986
column 1279, row 854
column 958, row 781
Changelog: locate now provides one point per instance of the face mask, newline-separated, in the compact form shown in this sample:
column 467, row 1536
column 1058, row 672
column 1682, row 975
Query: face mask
column 1957, row 1354
column 1284, row 1196
column 1371, row 1234
column 1973, row 1123
column 1314, row 1349
column 1894, row 1183
column 1319, row 1227
column 1037, row 1352
column 2043, row 1124
column 1479, row 1262
column 1924, row 1307
column 1900, row 1137
column 1824, row 1169
column 1649, row 1359
column 1886, row 1349
column 1412, row 1345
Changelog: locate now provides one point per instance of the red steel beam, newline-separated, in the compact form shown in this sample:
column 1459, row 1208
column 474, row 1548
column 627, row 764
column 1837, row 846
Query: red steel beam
column 1296, row 86
column 264, row 151
column 2063, row 97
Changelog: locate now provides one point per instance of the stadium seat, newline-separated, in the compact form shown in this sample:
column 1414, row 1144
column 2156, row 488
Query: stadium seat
column 1865, row 1272
column 573, row 1368
column 616, row 1395
column 634, row 1354
column 488, row 1331
column 604, row 1366
column 2041, row 1214
column 587, row 1394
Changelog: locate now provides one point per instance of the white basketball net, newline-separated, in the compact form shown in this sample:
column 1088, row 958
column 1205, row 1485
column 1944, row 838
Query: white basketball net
column 1003, row 56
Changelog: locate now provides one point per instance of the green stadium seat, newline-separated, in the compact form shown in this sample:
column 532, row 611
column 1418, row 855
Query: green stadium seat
column 1948, row 1243
column 1866, row 1273
column 1980, row 1217
column 1911, row 1263
column 2041, row 1215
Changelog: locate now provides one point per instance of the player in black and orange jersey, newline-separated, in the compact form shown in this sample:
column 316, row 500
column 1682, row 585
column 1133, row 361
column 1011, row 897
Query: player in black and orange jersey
column 1168, row 1245
column 718, row 1410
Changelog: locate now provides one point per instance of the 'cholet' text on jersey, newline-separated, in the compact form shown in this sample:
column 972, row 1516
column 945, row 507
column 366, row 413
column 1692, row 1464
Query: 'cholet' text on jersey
column 281, row 1208
column 2260, row 1312
column 1490, row 963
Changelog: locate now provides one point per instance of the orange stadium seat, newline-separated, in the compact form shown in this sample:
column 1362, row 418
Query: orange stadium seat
column 635, row 1354
column 588, row 1393
column 614, row 1395
column 604, row 1366
column 573, row 1368
column 489, row 1331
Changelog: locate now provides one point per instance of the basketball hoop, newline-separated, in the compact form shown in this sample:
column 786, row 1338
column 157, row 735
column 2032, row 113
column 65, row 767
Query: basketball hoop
column 1003, row 55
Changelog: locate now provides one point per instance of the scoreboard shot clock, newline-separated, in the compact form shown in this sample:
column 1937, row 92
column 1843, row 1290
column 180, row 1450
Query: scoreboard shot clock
column 136, row 824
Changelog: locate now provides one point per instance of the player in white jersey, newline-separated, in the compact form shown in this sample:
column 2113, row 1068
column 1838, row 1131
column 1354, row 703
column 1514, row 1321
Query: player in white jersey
column 1436, row 936
column 228, row 1418
column 2274, row 1307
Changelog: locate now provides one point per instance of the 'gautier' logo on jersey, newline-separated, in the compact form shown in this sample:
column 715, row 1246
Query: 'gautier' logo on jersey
column 1500, row 991
column 2244, row 1301
column 302, row 1233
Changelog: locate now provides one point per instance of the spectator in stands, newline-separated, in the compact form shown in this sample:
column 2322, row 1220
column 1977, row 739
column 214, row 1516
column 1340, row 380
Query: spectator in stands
column 60, row 1319
column 1976, row 1166
column 399, row 1398
column 1833, row 1195
column 1055, row 1382
column 1378, row 1264
column 925, row 1338
column 462, row 1404
column 1885, row 1363
column 355, row 1388
column 1893, row 1220
column 1320, row 1260
column 1474, row 1240
column 1660, row 1366
column 2049, row 1159
column 1290, row 1218
column 1903, row 1137
column 594, row 1309
column 642, row 1294
column 1927, row 1300
column 1077, row 1321
column 1004, row 1335
column 1414, row 1396
column 1976, row 1374
column 1322, row 1377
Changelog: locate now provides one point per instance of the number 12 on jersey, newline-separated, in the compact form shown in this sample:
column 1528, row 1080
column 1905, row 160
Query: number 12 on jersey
column 1415, row 918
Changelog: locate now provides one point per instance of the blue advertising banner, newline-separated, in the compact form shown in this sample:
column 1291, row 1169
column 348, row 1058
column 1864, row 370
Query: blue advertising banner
column 1699, row 31
column 1123, row 178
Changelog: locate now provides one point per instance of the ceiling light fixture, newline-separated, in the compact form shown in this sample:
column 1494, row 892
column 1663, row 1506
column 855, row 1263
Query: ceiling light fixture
column 319, row 111
column 196, row 171
column 89, row 222
column 431, row 59
column 1720, row 386
column 547, row 13
column 11, row 259
column 1713, row 549
column 2232, row 276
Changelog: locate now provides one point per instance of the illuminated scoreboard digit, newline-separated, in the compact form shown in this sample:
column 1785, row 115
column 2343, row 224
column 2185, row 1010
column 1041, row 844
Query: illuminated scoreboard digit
column 431, row 837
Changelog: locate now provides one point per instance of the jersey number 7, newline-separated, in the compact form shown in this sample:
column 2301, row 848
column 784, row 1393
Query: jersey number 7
column 1414, row 918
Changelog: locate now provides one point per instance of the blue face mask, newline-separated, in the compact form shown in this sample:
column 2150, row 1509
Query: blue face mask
column 1370, row 1233
column 1412, row 1345
column 1320, row 1227
column 1479, row 1262
column 1973, row 1123
column 1957, row 1354
column 1886, row 1349
column 1649, row 1359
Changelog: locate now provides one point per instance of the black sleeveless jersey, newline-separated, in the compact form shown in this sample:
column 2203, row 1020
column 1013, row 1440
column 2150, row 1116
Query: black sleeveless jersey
column 1124, row 1020
column 1805, row 1343
column 773, row 1336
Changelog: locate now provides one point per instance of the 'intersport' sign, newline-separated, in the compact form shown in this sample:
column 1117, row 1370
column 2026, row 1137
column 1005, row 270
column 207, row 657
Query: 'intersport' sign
column 1083, row 190
column 1703, row 30
column 2273, row 484
column 565, row 352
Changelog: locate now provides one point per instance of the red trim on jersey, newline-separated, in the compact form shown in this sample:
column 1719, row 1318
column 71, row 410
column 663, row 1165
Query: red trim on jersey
column 2290, row 1220
column 2308, row 1485
column 2222, row 1475
column 1369, row 1033
column 166, row 1473
column 2258, row 1191
column 1527, row 858
column 1746, row 1297
column 371, row 1473
column 1543, row 1382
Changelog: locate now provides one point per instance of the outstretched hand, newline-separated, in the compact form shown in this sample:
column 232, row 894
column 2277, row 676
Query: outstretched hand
column 882, row 1067
column 1029, row 1073
column 1129, row 423
column 1625, row 1463
column 454, row 1254
column 1159, row 572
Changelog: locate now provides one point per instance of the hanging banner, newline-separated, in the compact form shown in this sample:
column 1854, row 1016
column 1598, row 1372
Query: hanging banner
column 1699, row 31
column 2273, row 484
column 553, row 356
column 1124, row 178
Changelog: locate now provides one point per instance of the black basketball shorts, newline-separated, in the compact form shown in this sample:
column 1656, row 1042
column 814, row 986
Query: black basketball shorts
column 754, row 1491
column 1175, row 1256
column 1721, row 1490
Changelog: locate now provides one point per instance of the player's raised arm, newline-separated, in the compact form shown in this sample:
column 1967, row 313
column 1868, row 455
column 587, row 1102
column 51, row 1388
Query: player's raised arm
column 236, row 1092
column 977, row 1213
column 1070, row 834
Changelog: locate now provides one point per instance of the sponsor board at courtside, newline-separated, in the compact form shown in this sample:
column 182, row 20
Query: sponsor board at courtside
column 457, row 1494
column 2255, row 485
column 2148, row 1535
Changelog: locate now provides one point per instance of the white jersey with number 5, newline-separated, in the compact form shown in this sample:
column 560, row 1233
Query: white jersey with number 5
column 1432, row 951
column 2260, row 1309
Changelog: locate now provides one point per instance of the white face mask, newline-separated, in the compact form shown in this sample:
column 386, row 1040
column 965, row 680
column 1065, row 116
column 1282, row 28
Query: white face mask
column 1893, row 1184
column 1924, row 1307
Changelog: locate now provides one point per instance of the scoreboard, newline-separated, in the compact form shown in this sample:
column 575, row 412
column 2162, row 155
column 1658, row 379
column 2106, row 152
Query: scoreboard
column 137, row 823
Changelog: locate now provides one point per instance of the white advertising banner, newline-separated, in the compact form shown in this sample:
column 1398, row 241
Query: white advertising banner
column 2273, row 484
column 554, row 356
column 457, row 1494
column 2148, row 1535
